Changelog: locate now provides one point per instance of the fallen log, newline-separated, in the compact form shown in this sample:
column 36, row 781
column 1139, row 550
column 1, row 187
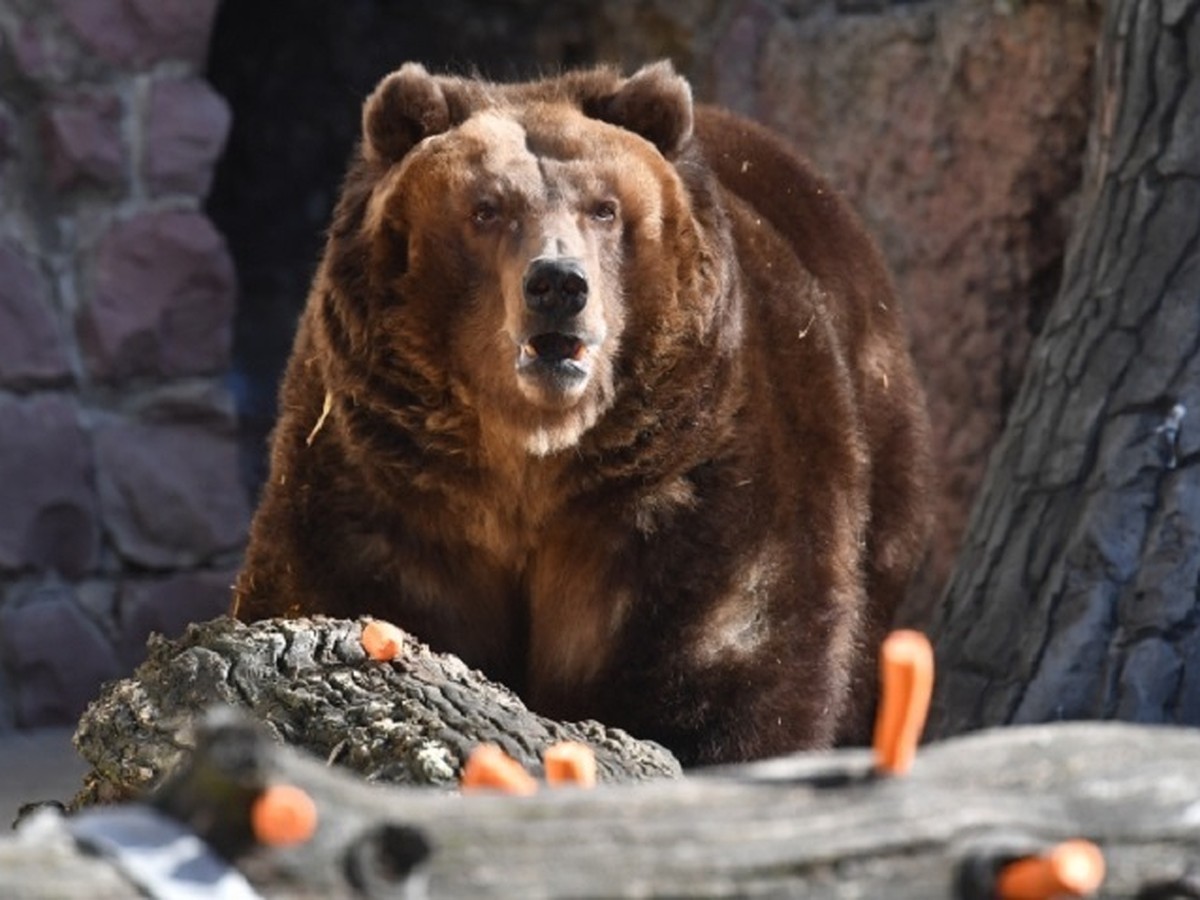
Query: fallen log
column 811, row 825
column 814, row 825
column 310, row 681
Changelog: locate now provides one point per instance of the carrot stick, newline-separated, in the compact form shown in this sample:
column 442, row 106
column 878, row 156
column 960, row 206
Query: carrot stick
column 570, row 762
column 383, row 641
column 906, row 674
column 282, row 815
column 1072, row 869
column 489, row 768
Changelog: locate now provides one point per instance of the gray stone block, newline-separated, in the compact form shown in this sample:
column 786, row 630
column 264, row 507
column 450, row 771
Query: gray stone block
column 57, row 655
column 49, row 521
column 138, row 33
column 83, row 140
column 31, row 343
column 170, row 495
column 162, row 299
column 187, row 126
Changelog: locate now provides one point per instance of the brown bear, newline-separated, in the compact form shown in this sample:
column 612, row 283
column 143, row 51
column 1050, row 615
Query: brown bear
column 609, row 395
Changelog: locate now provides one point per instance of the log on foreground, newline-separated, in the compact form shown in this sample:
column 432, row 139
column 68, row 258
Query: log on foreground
column 818, row 825
column 410, row 721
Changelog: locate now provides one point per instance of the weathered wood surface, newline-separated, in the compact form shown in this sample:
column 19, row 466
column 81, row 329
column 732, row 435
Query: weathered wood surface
column 412, row 721
column 813, row 826
column 818, row 825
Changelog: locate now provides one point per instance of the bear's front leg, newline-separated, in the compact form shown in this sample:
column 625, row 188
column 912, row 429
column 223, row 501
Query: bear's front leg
column 719, row 653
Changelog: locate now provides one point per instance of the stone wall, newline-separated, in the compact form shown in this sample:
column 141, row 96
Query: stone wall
column 121, row 511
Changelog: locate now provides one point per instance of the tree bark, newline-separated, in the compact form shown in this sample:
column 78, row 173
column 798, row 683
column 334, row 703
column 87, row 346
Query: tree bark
column 815, row 825
column 1076, row 591
column 411, row 721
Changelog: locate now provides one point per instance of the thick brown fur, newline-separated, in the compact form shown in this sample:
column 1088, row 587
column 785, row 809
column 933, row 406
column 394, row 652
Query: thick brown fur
column 703, row 537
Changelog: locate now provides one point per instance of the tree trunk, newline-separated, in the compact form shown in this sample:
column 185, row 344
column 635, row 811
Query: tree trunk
column 811, row 825
column 1076, row 591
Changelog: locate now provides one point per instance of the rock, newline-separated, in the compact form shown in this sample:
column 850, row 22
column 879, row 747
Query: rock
column 958, row 133
column 196, row 401
column 862, row 6
column 166, row 606
column 49, row 519
column 170, row 494
column 31, row 347
column 162, row 299
column 740, row 50
column 83, row 140
column 188, row 124
column 33, row 54
column 8, row 134
column 137, row 33
column 57, row 655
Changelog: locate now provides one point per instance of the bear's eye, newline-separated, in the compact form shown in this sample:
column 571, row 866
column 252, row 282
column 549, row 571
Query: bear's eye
column 485, row 214
column 604, row 211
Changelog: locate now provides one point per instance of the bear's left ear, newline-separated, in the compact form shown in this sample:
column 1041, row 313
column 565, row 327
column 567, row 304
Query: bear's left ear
column 655, row 102
column 407, row 106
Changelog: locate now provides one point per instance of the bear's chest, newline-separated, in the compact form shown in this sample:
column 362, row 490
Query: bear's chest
column 559, row 565
column 505, row 526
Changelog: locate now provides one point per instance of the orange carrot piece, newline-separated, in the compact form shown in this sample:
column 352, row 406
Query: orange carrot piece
column 906, row 674
column 570, row 762
column 383, row 641
column 1072, row 869
column 283, row 815
column 489, row 768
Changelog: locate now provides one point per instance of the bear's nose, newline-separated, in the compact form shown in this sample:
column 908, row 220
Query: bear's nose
column 556, row 287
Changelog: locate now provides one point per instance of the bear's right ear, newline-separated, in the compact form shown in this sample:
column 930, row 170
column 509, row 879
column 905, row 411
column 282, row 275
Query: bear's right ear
column 407, row 106
column 655, row 102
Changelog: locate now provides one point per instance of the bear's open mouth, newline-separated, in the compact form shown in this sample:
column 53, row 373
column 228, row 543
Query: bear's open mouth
column 553, row 347
column 554, row 362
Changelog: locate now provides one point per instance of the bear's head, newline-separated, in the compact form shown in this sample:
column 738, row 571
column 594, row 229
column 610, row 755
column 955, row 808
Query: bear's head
column 537, row 243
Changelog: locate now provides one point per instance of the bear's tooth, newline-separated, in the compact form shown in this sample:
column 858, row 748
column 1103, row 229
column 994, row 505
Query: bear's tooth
column 529, row 350
column 580, row 352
